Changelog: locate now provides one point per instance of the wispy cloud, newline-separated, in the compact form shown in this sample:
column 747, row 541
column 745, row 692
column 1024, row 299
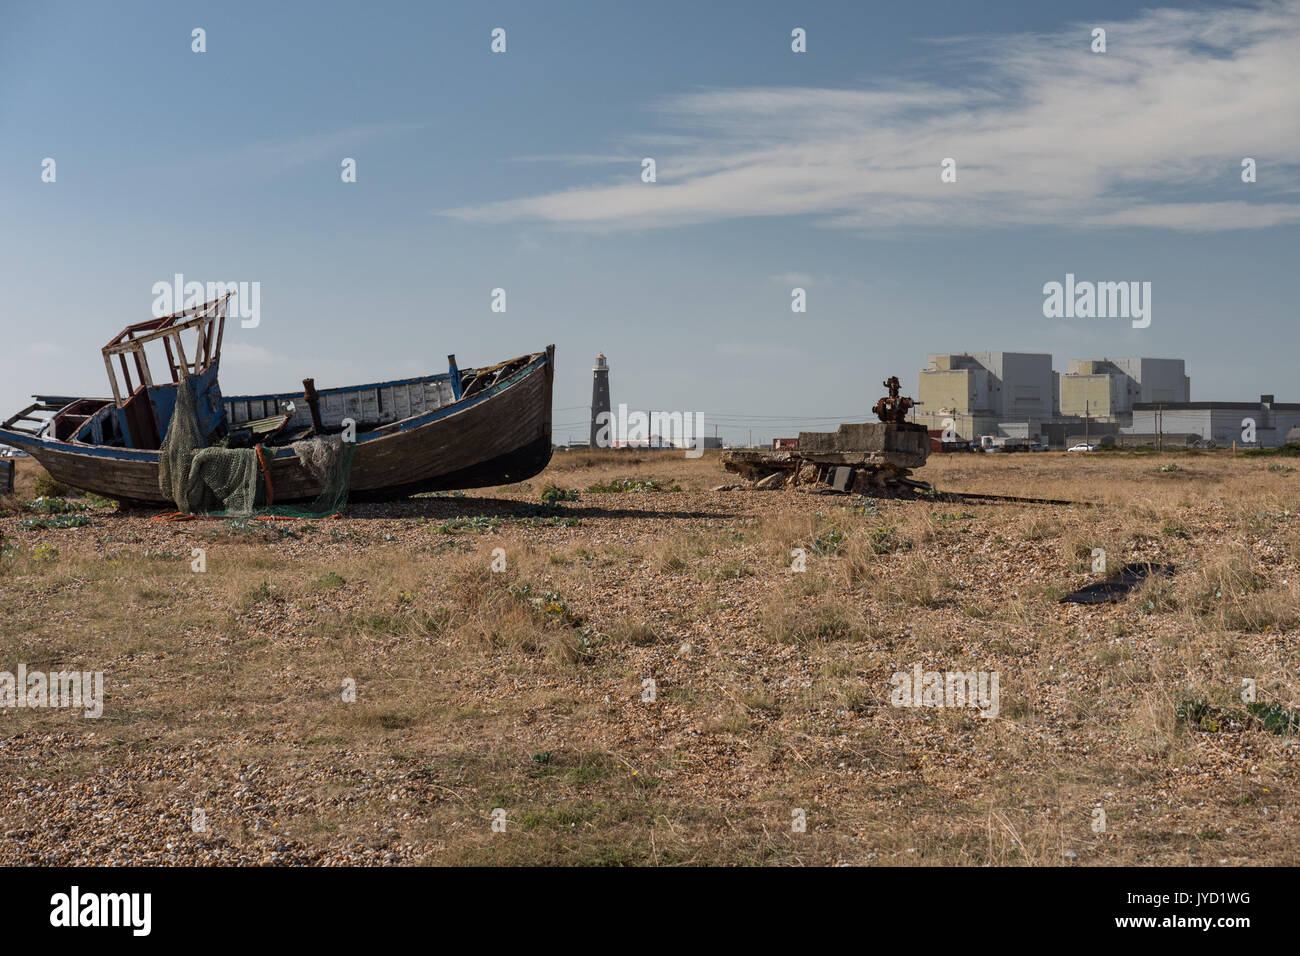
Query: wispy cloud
column 271, row 158
column 1150, row 133
column 579, row 159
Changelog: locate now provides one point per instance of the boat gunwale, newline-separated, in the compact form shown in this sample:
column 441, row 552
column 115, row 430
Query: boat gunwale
column 437, row 376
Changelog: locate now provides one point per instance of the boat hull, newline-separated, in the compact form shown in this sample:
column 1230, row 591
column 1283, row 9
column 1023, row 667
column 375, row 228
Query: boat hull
column 500, row 436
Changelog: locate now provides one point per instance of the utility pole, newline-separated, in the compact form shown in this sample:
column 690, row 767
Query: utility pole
column 1086, row 407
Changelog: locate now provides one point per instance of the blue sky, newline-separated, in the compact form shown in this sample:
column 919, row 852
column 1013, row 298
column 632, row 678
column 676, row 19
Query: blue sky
column 775, row 169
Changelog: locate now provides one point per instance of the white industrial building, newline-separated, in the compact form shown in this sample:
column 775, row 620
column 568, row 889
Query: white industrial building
column 1221, row 423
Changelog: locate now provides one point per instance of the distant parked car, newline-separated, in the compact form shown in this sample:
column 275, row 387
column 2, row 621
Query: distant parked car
column 1083, row 446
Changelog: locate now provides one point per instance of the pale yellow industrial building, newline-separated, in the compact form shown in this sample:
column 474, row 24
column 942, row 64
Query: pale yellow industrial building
column 1107, row 389
column 987, row 393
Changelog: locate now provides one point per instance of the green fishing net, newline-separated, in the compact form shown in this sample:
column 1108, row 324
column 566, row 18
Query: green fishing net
column 223, row 480
column 230, row 482
column 177, row 450
column 328, row 459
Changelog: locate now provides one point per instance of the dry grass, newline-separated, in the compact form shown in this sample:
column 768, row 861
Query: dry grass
column 655, row 683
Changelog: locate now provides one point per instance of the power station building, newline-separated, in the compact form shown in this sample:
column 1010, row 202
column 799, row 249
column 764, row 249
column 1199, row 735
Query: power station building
column 1007, row 394
column 1108, row 390
column 1017, row 396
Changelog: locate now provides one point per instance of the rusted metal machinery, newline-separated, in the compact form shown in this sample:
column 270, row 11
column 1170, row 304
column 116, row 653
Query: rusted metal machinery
column 870, row 458
column 891, row 408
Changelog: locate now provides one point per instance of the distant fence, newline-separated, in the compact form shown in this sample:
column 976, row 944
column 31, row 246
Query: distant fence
column 1165, row 440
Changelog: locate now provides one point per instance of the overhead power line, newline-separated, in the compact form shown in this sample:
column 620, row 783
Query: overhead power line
column 851, row 416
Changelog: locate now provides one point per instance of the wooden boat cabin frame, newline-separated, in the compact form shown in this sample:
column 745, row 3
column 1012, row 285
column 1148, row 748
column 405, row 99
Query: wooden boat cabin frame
column 207, row 321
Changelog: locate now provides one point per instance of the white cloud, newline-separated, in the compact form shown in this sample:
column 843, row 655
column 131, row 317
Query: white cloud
column 1150, row 133
column 580, row 159
column 268, row 159
column 1219, row 215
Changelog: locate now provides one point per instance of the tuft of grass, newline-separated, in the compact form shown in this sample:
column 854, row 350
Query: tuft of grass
column 884, row 540
column 553, row 494
column 56, row 506
column 45, row 552
column 1289, row 450
column 632, row 485
column 804, row 624
column 55, row 522
column 549, row 603
column 47, row 487
column 410, row 622
column 1040, row 528
column 862, row 505
column 250, row 599
column 1196, row 713
column 636, row 633
column 1274, row 717
column 479, row 524
column 828, row 542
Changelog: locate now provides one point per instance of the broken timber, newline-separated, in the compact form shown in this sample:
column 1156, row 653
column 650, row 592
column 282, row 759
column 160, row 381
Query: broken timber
column 868, row 458
column 873, row 458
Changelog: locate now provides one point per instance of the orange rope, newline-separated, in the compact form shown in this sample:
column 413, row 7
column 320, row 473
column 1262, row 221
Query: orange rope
column 266, row 474
column 178, row 516
column 297, row 517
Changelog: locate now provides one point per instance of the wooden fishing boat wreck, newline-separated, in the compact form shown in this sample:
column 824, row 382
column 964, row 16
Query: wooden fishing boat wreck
column 463, row 428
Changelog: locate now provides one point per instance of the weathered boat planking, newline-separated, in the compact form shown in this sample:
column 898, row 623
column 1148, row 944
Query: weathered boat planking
column 499, row 435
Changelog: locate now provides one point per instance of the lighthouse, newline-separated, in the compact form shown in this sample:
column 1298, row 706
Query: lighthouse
column 600, row 403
